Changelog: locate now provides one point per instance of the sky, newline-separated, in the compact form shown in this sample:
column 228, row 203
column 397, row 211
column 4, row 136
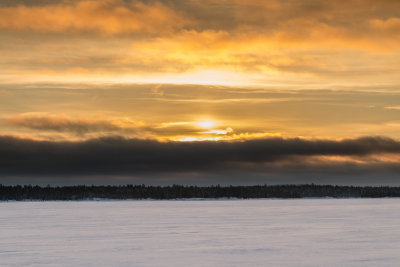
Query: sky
column 199, row 92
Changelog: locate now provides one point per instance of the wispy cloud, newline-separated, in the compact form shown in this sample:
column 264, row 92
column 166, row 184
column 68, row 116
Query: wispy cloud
column 393, row 107
column 61, row 123
column 46, row 126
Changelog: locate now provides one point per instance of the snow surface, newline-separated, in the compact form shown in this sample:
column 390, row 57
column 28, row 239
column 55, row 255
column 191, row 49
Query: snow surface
column 301, row 232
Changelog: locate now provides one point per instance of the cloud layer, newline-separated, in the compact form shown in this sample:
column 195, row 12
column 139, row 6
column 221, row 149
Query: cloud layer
column 274, row 42
column 103, row 17
column 119, row 156
column 288, row 20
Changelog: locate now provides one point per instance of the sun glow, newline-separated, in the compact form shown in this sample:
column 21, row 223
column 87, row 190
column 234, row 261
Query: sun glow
column 194, row 139
column 207, row 124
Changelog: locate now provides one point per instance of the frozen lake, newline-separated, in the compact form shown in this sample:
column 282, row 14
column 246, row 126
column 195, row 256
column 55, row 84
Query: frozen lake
column 301, row 232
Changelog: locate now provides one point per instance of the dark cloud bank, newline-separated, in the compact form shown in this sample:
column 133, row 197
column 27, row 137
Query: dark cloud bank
column 118, row 160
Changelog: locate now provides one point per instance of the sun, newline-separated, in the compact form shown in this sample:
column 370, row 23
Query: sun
column 207, row 124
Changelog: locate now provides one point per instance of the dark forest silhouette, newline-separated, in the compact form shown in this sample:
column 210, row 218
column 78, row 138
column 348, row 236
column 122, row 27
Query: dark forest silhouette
column 29, row 192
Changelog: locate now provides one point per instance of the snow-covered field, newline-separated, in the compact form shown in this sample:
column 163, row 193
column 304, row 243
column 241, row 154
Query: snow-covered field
column 302, row 232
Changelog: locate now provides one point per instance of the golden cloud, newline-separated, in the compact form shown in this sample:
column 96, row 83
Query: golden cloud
column 290, row 22
column 43, row 126
column 104, row 16
column 261, row 42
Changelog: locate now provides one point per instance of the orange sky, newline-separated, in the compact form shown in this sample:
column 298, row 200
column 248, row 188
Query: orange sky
column 171, row 70
column 303, row 44
column 262, row 56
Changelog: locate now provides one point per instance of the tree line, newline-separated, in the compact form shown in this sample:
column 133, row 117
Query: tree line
column 82, row 192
